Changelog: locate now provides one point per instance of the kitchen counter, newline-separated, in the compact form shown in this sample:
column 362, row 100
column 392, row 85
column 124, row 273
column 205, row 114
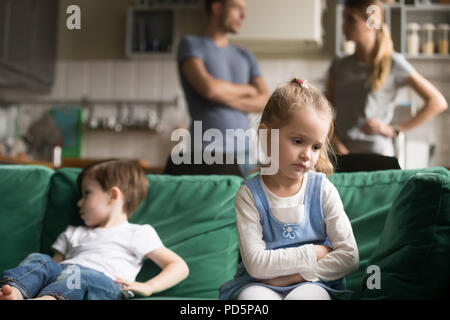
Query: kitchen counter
column 75, row 163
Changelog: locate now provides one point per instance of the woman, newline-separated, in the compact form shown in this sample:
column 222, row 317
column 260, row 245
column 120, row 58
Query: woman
column 363, row 86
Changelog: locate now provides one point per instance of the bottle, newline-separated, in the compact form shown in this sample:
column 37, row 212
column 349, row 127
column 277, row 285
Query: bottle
column 413, row 41
column 428, row 39
column 57, row 156
column 443, row 38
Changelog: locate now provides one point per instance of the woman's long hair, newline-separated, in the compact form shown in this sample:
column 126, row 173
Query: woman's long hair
column 381, row 64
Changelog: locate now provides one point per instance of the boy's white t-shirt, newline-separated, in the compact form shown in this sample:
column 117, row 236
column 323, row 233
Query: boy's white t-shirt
column 118, row 252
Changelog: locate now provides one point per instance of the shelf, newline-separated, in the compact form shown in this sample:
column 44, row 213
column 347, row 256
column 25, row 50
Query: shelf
column 169, row 7
column 424, row 57
column 74, row 163
column 398, row 15
column 169, row 4
column 421, row 8
column 153, row 31
column 149, row 31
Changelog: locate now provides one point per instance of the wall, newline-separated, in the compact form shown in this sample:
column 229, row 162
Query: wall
column 92, row 65
column 102, row 34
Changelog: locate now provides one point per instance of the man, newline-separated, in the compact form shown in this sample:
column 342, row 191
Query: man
column 221, row 82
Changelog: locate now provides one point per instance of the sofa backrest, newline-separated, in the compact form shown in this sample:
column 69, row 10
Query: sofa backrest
column 367, row 199
column 23, row 202
column 193, row 215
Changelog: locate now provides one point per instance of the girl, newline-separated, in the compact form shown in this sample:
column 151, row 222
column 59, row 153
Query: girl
column 363, row 86
column 295, row 239
column 101, row 259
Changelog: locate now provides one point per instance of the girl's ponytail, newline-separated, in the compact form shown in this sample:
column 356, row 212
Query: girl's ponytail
column 382, row 61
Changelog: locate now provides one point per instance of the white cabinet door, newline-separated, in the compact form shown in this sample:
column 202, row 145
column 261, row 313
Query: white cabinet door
column 271, row 22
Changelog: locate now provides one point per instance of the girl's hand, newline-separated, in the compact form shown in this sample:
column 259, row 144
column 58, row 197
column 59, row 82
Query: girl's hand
column 321, row 251
column 136, row 287
column 284, row 281
column 374, row 126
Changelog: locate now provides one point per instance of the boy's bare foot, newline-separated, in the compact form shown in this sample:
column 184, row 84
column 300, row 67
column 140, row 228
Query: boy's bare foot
column 10, row 293
column 45, row 298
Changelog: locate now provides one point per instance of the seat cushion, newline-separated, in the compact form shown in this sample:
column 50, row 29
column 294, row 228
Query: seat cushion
column 23, row 201
column 413, row 254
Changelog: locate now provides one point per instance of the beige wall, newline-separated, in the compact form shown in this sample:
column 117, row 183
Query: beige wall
column 102, row 34
column 103, row 24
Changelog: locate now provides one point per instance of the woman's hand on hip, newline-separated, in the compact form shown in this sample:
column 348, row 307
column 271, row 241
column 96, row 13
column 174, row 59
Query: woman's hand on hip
column 374, row 126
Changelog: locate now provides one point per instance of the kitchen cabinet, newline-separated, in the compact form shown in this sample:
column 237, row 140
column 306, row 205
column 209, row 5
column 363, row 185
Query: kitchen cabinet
column 28, row 43
column 153, row 29
column 18, row 52
column 3, row 23
column 44, row 41
column 434, row 14
column 281, row 26
column 149, row 31
column 397, row 16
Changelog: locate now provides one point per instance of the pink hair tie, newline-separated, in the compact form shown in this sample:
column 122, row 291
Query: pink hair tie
column 299, row 82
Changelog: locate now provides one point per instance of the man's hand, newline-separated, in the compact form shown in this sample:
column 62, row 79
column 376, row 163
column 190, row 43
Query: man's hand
column 137, row 287
column 255, row 102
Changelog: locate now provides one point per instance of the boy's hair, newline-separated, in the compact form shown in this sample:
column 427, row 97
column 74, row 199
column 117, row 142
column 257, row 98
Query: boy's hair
column 209, row 3
column 126, row 175
column 382, row 61
column 288, row 98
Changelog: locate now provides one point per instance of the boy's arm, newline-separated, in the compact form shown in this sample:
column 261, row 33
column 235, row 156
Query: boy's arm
column 58, row 257
column 174, row 270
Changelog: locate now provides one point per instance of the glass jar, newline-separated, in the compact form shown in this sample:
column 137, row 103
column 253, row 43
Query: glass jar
column 442, row 37
column 412, row 38
column 427, row 42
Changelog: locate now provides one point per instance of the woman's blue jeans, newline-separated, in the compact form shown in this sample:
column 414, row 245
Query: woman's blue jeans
column 38, row 275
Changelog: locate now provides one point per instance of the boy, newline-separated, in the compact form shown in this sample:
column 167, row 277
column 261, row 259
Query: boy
column 102, row 258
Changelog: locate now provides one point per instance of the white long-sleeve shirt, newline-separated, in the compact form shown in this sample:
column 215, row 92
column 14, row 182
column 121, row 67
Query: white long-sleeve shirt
column 267, row 264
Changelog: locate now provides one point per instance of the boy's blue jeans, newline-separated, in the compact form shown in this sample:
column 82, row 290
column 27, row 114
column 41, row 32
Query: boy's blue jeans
column 38, row 275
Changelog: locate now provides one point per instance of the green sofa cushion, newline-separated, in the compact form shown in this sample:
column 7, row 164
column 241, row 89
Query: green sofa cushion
column 414, row 250
column 62, row 209
column 193, row 215
column 23, row 201
column 367, row 199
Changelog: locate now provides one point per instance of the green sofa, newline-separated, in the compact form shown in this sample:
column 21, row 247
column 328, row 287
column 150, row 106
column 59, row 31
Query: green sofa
column 401, row 221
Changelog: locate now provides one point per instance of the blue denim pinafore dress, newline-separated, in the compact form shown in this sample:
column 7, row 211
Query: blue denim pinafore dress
column 282, row 235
